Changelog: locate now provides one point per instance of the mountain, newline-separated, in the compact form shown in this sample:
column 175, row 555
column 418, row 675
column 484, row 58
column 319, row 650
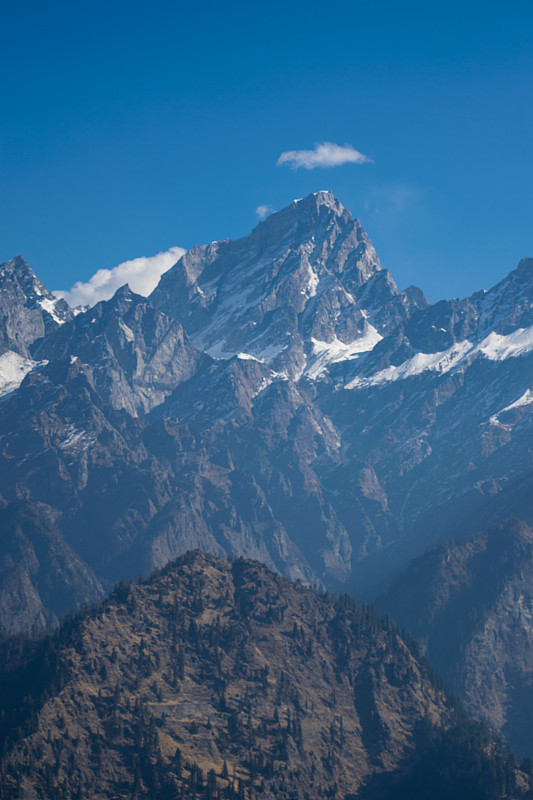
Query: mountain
column 28, row 312
column 277, row 397
column 137, row 355
column 218, row 679
column 442, row 411
column 470, row 604
column 305, row 289
column 429, row 403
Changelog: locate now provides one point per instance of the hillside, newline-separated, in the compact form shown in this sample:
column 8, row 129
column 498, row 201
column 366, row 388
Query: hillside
column 218, row 679
column 470, row 605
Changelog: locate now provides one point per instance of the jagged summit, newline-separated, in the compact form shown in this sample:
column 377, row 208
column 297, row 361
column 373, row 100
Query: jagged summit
column 303, row 290
column 124, row 292
column 136, row 354
column 313, row 202
column 29, row 288
column 28, row 310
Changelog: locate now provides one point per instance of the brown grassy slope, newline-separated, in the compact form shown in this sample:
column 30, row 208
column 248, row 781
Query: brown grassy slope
column 216, row 677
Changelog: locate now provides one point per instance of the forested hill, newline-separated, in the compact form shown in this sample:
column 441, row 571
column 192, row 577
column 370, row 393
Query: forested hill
column 217, row 679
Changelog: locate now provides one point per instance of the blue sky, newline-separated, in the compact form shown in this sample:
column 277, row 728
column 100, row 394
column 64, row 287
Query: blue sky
column 129, row 128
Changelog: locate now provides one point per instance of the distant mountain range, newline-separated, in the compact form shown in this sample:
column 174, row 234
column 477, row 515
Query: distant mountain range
column 276, row 397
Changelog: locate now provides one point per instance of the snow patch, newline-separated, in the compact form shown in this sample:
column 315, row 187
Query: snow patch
column 494, row 347
column 50, row 306
column 312, row 284
column 217, row 351
column 262, row 354
column 270, row 352
column 525, row 400
column 76, row 439
column 13, row 370
column 128, row 333
column 326, row 353
column 498, row 347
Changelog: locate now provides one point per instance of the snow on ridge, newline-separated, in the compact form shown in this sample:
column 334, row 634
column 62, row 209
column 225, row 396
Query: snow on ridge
column 13, row 370
column 498, row 347
column 326, row 353
column 494, row 347
column 50, row 306
column 419, row 363
column 525, row 400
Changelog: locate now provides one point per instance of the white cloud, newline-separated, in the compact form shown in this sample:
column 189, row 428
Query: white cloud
column 263, row 211
column 326, row 154
column 142, row 274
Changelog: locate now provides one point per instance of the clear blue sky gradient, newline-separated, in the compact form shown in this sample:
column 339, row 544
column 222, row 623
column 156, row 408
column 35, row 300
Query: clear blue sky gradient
column 127, row 128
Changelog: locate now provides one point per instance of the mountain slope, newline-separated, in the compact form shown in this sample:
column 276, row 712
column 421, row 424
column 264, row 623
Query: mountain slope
column 137, row 355
column 219, row 679
column 470, row 603
column 41, row 578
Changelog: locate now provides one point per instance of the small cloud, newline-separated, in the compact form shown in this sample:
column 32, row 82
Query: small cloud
column 326, row 154
column 142, row 274
column 263, row 211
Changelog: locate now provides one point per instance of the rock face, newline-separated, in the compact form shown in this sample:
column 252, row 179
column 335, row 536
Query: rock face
column 276, row 397
column 215, row 679
column 28, row 311
column 305, row 288
column 40, row 575
column 470, row 604
column 137, row 355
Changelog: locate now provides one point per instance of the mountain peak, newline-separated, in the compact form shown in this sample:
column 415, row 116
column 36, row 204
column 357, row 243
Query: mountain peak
column 322, row 198
column 17, row 269
column 295, row 281
column 332, row 696
column 525, row 266
column 314, row 215
column 124, row 293
column 322, row 203
column 28, row 310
